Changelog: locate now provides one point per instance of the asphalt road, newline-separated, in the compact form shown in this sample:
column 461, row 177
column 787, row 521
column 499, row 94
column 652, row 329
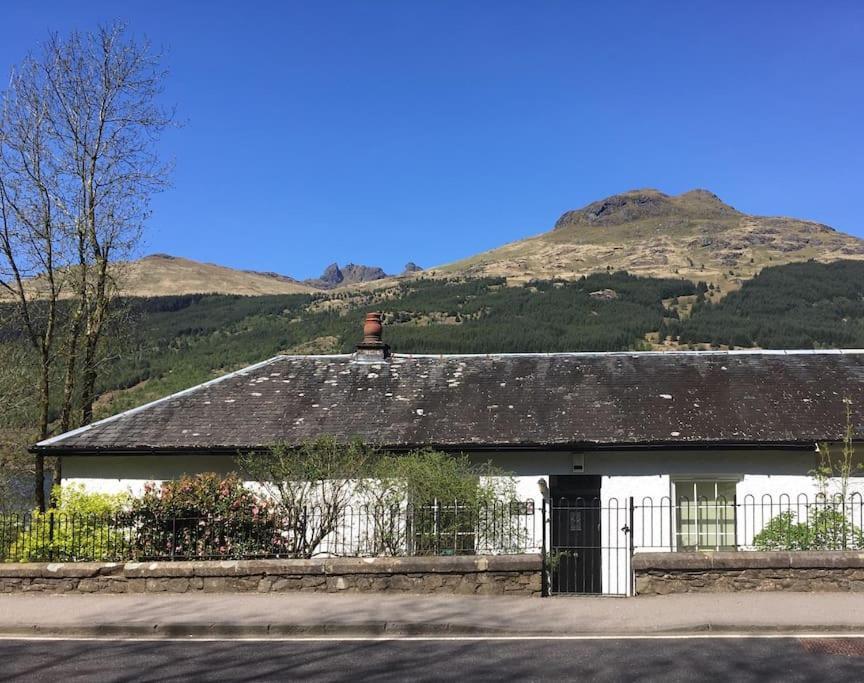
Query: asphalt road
column 785, row 659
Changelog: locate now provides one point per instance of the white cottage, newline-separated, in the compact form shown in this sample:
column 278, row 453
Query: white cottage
column 615, row 440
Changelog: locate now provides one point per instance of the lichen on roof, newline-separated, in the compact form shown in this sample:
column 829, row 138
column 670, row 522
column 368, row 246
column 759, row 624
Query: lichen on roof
column 577, row 400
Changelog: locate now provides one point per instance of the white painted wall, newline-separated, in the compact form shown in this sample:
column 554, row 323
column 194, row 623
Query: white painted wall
column 646, row 476
column 129, row 473
column 119, row 471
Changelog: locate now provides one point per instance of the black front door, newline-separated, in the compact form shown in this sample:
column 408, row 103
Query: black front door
column 575, row 557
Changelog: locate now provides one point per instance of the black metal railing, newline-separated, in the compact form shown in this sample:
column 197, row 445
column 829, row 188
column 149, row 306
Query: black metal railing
column 352, row 531
column 607, row 531
column 750, row 522
column 590, row 542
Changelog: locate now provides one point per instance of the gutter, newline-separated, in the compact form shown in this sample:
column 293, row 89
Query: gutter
column 809, row 446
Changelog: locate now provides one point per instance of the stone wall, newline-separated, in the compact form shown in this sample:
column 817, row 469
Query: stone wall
column 809, row 571
column 493, row 575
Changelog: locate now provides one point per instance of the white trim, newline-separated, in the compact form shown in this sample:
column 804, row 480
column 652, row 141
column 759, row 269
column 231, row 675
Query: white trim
column 295, row 356
column 132, row 411
column 698, row 634
column 734, row 352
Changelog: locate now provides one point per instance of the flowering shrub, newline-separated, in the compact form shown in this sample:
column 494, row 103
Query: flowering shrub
column 203, row 516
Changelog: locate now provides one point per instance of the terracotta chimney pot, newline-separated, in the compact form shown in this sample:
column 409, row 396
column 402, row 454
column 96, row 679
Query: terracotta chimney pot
column 372, row 329
column 372, row 347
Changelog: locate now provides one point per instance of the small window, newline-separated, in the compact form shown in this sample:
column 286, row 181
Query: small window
column 705, row 514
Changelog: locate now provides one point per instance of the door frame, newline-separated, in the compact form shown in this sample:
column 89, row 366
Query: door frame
column 575, row 534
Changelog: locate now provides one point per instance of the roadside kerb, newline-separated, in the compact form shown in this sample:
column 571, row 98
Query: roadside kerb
column 343, row 614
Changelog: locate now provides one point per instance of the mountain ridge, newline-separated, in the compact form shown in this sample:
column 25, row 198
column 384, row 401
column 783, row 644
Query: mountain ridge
column 639, row 204
column 647, row 232
column 694, row 235
column 351, row 274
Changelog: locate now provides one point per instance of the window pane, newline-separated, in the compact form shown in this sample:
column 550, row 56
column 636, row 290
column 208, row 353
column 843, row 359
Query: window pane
column 726, row 491
column 687, row 524
column 685, row 490
column 706, row 514
column 706, row 490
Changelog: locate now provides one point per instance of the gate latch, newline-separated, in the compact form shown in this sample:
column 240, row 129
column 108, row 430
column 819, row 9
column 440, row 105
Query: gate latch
column 625, row 529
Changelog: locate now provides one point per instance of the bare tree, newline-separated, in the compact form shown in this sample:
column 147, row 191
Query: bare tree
column 311, row 486
column 107, row 119
column 31, row 236
column 78, row 166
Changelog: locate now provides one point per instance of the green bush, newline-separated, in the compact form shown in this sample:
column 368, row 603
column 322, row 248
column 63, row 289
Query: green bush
column 201, row 517
column 826, row 528
column 350, row 498
column 452, row 506
column 85, row 526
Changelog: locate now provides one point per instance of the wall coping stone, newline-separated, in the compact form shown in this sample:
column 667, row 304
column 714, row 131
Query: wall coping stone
column 58, row 570
column 798, row 559
column 276, row 567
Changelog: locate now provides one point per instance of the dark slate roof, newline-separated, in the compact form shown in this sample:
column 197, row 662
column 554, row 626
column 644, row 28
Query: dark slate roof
column 575, row 400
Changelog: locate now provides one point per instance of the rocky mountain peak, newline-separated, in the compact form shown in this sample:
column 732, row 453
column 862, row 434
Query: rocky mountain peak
column 351, row 273
column 637, row 205
column 619, row 208
column 701, row 194
column 358, row 273
column 332, row 275
column 410, row 268
column 705, row 202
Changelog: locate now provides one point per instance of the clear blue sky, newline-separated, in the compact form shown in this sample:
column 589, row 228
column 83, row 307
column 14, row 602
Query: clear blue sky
column 382, row 131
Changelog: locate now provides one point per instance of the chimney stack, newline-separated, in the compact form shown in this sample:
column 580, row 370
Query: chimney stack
column 372, row 348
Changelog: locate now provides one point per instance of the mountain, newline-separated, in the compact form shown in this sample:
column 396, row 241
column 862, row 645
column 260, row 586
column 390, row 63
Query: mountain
column 694, row 235
column 351, row 274
column 164, row 275
column 167, row 275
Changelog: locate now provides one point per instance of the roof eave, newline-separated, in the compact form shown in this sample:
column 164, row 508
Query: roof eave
column 808, row 444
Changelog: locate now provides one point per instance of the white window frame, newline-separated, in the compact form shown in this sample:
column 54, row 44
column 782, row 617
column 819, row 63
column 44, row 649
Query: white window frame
column 677, row 481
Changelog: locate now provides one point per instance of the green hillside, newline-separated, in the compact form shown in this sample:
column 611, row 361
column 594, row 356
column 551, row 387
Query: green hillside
column 179, row 341
column 175, row 342
column 796, row 306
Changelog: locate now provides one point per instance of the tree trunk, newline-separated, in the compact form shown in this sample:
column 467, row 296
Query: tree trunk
column 66, row 422
column 93, row 331
column 56, row 482
column 39, row 482
column 69, row 385
column 44, row 398
column 88, row 379
column 72, row 340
